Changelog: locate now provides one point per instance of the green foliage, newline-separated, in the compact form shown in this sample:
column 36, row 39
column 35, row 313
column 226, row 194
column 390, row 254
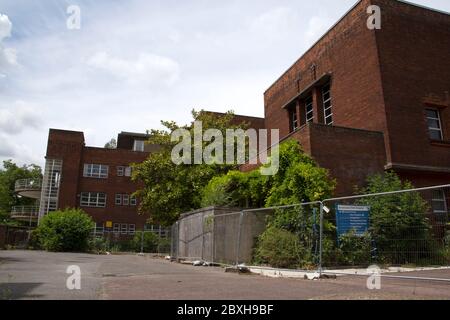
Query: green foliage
column 8, row 198
column 298, row 180
column 171, row 189
column 280, row 248
column 150, row 244
column 66, row 230
column 236, row 189
column 111, row 144
column 398, row 222
column 354, row 250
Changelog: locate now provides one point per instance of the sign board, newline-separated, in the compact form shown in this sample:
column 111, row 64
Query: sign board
column 352, row 217
column 109, row 224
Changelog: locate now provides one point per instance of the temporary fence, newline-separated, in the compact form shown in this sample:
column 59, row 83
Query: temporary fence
column 408, row 228
column 151, row 240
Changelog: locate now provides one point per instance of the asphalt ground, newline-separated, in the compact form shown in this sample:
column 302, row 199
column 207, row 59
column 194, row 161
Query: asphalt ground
column 42, row 275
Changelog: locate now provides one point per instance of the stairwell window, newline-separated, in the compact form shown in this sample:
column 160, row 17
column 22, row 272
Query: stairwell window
column 434, row 124
column 327, row 105
column 309, row 109
column 293, row 116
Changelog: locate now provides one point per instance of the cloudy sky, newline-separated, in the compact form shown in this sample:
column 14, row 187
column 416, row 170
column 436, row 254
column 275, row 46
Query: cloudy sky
column 135, row 62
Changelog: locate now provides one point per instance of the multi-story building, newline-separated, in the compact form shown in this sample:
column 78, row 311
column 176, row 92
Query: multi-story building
column 363, row 100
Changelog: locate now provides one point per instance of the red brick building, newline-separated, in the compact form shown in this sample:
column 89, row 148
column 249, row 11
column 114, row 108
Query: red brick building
column 362, row 101
column 97, row 180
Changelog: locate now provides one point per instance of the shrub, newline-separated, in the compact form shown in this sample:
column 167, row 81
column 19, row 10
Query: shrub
column 151, row 242
column 280, row 248
column 354, row 249
column 65, row 230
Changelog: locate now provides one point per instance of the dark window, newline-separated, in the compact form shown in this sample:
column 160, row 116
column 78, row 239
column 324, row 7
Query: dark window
column 434, row 124
column 294, row 118
column 309, row 109
column 327, row 105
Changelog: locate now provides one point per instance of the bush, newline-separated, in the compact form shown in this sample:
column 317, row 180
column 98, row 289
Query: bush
column 66, row 230
column 354, row 250
column 151, row 242
column 280, row 248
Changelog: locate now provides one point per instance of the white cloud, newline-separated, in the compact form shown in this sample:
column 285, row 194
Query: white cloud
column 147, row 69
column 275, row 21
column 8, row 56
column 16, row 119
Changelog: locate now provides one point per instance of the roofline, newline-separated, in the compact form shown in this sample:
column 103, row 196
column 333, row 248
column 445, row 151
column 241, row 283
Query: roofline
column 334, row 25
column 134, row 134
column 235, row 115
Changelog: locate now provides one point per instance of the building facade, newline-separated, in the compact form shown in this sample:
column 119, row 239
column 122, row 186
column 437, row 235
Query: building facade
column 362, row 101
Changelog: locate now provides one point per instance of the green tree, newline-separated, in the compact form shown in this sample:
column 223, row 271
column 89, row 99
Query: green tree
column 10, row 173
column 398, row 222
column 111, row 144
column 65, row 230
column 171, row 189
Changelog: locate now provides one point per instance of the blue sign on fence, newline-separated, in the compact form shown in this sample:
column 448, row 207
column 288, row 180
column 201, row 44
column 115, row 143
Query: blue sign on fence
column 352, row 217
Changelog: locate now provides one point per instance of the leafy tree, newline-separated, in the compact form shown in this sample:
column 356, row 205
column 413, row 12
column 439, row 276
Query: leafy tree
column 8, row 177
column 398, row 222
column 65, row 230
column 111, row 144
column 171, row 189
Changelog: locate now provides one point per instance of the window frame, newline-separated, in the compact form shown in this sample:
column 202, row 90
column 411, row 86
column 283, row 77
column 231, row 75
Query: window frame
column 327, row 89
column 123, row 228
column 131, row 228
column 97, row 171
column 133, row 201
column 116, row 228
column 309, row 104
column 93, row 199
column 440, row 200
column 120, row 171
column 439, row 121
column 127, row 197
column 118, row 199
column 293, row 118
column 141, row 144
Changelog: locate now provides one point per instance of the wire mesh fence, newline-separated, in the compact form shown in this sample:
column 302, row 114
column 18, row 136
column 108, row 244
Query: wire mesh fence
column 407, row 228
column 156, row 241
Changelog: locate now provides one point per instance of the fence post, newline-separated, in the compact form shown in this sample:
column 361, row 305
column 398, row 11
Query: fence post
column 238, row 245
column 321, row 238
column 142, row 241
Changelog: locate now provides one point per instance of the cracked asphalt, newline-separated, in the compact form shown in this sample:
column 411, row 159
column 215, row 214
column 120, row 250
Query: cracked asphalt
column 42, row 275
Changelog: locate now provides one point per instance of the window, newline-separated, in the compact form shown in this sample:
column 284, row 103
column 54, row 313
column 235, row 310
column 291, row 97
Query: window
column 126, row 199
column 131, row 228
column 116, row 228
column 309, row 109
column 438, row 202
column 434, row 124
column 138, row 145
column 118, row 199
column 93, row 199
column 128, row 172
column 95, row 171
column 120, row 171
column 293, row 118
column 327, row 106
column 133, row 200
column 123, row 228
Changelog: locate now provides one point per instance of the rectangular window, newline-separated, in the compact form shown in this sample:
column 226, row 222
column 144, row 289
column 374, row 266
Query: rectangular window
column 434, row 124
column 138, row 145
column 438, row 202
column 123, row 228
column 327, row 106
column 133, row 200
column 131, row 228
column 116, row 228
column 118, row 199
column 309, row 109
column 293, row 118
column 95, row 171
column 93, row 199
column 125, row 199
column 128, row 172
column 120, row 171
